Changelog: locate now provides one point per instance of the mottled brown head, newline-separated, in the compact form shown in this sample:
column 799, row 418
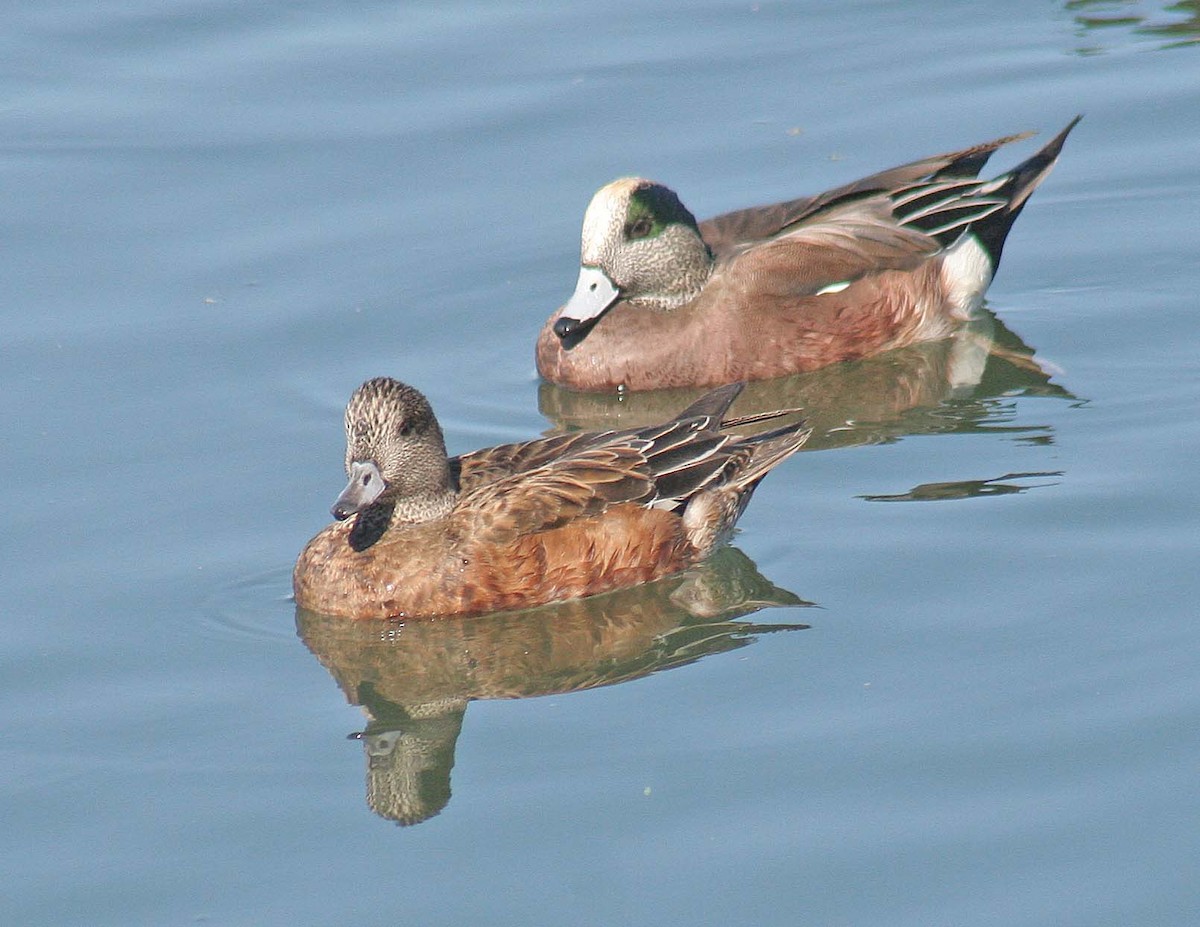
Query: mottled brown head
column 395, row 453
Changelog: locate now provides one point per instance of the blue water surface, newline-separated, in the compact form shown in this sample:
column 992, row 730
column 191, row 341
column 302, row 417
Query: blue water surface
column 973, row 699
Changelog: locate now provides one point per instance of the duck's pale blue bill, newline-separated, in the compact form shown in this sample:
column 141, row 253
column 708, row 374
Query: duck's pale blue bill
column 594, row 293
column 365, row 486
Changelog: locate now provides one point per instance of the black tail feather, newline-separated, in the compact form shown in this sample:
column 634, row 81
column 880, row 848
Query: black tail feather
column 1016, row 187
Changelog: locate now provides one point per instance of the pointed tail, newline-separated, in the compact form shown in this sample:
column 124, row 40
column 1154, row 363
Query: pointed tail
column 1015, row 187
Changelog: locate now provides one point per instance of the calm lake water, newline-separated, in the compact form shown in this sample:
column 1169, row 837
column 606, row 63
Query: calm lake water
column 949, row 675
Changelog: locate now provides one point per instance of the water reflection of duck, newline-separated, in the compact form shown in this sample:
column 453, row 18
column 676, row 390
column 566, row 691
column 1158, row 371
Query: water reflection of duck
column 1105, row 24
column 953, row 385
column 415, row 679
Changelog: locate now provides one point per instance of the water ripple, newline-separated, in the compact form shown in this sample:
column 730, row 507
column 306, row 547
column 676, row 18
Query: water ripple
column 255, row 607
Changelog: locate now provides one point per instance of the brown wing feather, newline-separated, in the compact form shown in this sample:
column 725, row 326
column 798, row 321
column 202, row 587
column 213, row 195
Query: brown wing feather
column 658, row 466
column 584, row 484
column 726, row 232
column 479, row 468
column 840, row 246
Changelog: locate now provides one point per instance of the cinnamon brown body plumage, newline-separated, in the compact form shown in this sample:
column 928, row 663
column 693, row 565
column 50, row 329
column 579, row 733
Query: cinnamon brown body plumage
column 522, row 524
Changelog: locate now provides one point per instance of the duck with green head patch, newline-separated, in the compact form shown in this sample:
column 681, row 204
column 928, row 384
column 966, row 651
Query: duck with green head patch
column 899, row 257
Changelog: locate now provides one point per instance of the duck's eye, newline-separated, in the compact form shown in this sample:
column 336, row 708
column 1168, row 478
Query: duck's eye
column 406, row 429
column 366, row 479
column 639, row 228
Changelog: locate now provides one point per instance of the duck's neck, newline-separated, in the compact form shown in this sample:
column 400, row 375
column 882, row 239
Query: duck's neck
column 428, row 505
column 681, row 290
column 425, row 489
column 376, row 520
column 676, row 299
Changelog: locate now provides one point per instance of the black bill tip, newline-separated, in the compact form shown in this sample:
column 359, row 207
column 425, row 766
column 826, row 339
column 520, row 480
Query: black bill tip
column 572, row 331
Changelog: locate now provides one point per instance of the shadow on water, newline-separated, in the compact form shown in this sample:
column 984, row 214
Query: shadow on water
column 1099, row 16
column 415, row 679
column 968, row 489
column 962, row 384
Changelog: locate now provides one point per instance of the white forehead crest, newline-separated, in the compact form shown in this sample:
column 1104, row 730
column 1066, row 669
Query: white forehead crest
column 604, row 217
